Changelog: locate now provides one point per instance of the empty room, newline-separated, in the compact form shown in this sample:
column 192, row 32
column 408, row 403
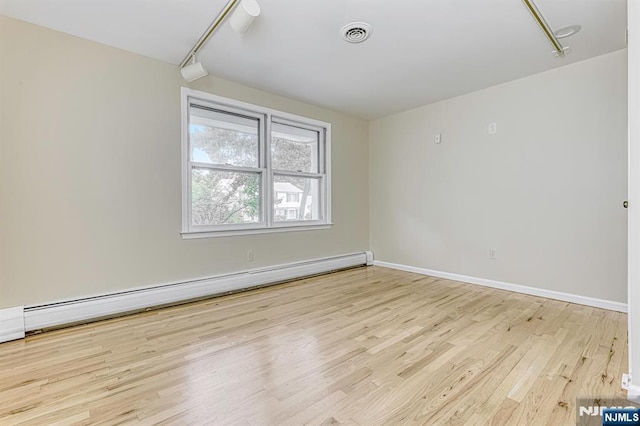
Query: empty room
column 358, row 212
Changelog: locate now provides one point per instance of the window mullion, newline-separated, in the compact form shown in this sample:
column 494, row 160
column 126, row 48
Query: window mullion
column 322, row 152
column 185, row 166
column 268, row 195
column 326, row 152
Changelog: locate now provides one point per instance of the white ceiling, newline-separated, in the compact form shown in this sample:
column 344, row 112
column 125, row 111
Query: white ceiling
column 421, row 51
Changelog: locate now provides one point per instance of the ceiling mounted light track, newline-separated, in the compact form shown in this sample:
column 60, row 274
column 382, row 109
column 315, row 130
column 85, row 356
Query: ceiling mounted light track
column 241, row 19
column 546, row 29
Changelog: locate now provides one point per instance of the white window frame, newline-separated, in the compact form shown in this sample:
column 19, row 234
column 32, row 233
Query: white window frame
column 266, row 116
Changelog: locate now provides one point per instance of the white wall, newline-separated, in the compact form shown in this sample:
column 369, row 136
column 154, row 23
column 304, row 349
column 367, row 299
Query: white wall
column 546, row 191
column 633, row 16
column 90, row 174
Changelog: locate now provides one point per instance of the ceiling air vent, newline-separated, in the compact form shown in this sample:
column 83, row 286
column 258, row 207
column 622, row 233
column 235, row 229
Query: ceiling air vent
column 356, row 32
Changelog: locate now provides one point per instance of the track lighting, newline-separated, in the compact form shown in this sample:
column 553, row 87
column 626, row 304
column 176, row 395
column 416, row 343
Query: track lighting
column 194, row 70
column 242, row 18
column 244, row 15
column 559, row 51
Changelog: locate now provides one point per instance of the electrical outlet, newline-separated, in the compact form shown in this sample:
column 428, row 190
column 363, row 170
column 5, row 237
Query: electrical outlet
column 492, row 253
column 250, row 256
column 493, row 128
column 625, row 382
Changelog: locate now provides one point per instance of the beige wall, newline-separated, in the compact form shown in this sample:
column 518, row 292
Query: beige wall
column 545, row 191
column 90, row 174
column 90, row 177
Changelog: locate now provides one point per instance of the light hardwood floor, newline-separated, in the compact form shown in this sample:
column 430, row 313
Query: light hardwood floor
column 365, row 346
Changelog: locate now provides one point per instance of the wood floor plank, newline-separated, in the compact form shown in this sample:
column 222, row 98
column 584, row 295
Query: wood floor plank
column 364, row 346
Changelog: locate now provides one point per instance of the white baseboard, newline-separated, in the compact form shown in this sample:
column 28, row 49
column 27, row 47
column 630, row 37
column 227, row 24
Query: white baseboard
column 550, row 294
column 633, row 391
column 73, row 311
column 369, row 257
column 11, row 324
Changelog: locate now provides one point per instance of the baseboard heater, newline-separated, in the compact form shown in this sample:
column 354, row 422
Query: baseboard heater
column 87, row 309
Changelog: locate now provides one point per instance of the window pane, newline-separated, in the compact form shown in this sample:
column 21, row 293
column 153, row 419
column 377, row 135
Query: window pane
column 218, row 137
column 221, row 197
column 296, row 198
column 294, row 149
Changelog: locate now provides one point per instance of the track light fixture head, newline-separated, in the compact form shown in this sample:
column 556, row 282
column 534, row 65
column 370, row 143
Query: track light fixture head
column 244, row 15
column 193, row 70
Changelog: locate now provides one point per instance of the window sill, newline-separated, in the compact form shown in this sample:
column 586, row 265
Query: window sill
column 238, row 232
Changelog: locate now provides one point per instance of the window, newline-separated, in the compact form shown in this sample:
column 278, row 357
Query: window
column 248, row 169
